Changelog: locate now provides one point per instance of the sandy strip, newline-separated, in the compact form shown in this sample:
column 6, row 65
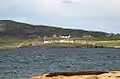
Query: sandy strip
column 109, row 75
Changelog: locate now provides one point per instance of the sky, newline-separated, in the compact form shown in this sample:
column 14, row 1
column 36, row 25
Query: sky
column 96, row 15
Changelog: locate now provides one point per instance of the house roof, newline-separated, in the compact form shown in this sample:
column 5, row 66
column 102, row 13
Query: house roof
column 65, row 35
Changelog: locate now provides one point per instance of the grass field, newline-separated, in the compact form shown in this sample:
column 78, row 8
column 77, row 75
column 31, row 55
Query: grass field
column 76, row 42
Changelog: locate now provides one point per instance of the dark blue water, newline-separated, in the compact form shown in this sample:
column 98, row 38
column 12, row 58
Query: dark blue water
column 25, row 63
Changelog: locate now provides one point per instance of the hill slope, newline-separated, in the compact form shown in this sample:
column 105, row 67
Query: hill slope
column 12, row 28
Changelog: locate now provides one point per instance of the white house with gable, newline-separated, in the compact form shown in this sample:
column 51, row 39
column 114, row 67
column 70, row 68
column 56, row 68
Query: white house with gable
column 64, row 36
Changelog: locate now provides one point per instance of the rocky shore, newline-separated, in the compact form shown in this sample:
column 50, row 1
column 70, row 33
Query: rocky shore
column 81, row 75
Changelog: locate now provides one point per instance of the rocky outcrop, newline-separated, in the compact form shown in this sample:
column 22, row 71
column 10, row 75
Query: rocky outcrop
column 99, row 75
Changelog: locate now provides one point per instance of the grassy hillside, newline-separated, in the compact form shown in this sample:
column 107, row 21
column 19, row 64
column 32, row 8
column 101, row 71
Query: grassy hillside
column 12, row 28
column 21, row 34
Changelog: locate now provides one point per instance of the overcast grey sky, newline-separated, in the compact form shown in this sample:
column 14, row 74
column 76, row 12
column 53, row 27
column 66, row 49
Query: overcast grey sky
column 101, row 15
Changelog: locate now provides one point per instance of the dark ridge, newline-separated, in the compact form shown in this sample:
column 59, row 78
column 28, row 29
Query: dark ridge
column 12, row 28
column 75, row 73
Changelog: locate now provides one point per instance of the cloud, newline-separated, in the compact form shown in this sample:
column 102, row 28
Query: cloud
column 66, row 8
column 67, row 2
column 79, row 13
column 81, row 7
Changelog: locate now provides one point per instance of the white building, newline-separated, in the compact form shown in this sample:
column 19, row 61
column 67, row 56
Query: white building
column 54, row 36
column 46, row 41
column 66, row 41
column 64, row 36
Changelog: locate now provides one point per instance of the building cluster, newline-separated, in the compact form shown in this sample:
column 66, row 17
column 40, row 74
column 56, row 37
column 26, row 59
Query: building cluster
column 65, row 38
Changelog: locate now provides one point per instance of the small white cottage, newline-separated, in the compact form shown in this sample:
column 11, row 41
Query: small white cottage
column 64, row 36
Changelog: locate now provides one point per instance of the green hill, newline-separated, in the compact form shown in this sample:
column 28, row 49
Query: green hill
column 12, row 28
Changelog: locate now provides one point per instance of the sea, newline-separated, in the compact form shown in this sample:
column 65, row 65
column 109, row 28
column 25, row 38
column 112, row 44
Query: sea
column 24, row 63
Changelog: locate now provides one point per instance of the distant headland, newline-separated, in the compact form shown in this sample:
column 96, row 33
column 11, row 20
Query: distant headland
column 15, row 34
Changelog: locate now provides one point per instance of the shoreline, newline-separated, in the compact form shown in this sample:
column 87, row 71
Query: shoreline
column 58, row 46
column 81, row 75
